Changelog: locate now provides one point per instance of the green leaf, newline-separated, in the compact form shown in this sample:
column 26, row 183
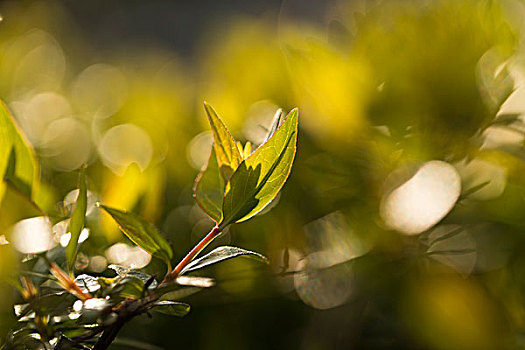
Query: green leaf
column 174, row 291
column 220, row 254
column 142, row 233
column 226, row 150
column 78, row 218
column 473, row 190
column 260, row 177
column 209, row 189
column 18, row 162
column 171, row 308
column 131, row 288
column 127, row 272
column 276, row 123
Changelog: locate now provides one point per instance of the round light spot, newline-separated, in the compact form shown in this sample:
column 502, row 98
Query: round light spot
column 67, row 144
column 98, row 263
column 33, row 236
column 35, row 114
column 71, row 198
column 99, row 90
column 41, row 68
column 198, row 149
column 321, row 284
column 423, row 200
column 128, row 256
column 123, row 145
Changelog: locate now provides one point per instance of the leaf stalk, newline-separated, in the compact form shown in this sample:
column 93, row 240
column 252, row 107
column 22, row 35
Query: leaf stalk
column 193, row 253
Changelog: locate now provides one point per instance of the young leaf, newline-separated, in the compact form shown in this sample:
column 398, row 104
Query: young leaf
column 78, row 218
column 127, row 272
column 220, row 254
column 18, row 162
column 226, row 150
column 142, row 233
column 171, row 308
column 131, row 288
column 260, row 177
column 276, row 123
column 209, row 189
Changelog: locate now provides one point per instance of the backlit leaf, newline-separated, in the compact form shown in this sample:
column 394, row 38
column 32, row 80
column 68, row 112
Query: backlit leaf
column 124, row 272
column 220, row 254
column 226, row 150
column 209, row 189
column 18, row 163
column 142, row 233
column 78, row 218
column 260, row 177
column 131, row 288
column 171, row 308
column 276, row 123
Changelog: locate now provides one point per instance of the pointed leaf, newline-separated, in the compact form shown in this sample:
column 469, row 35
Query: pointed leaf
column 473, row 189
column 18, row 162
column 276, row 123
column 260, row 177
column 78, row 218
column 226, row 150
column 209, row 189
column 141, row 232
column 247, row 150
column 220, row 254
column 127, row 272
column 171, row 308
column 131, row 288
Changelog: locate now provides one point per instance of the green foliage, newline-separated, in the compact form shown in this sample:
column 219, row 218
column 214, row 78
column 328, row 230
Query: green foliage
column 256, row 181
column 209, row 189
column 100, row 305
column 261, row 176
column 77, row 221
column 376, row 98
column 173, row 308
column 220, row 254
column 142, row 233
column 228, row 155
column 18, row 164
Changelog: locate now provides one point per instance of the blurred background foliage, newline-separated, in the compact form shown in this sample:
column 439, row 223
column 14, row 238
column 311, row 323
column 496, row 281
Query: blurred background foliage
column 402, row 224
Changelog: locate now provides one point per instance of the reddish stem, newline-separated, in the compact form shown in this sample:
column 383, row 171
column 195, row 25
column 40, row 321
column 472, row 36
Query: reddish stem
column 193, row 253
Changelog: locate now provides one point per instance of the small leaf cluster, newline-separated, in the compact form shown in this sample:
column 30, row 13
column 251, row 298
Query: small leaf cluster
column 237, row 184
column 59, row 309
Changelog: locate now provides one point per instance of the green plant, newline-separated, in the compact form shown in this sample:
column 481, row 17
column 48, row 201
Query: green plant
column 62, row 310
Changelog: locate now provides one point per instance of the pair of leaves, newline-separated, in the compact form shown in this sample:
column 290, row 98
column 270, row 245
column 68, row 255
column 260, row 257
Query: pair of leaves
column 142, row 233
column 148, row 238
column 234, row 188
